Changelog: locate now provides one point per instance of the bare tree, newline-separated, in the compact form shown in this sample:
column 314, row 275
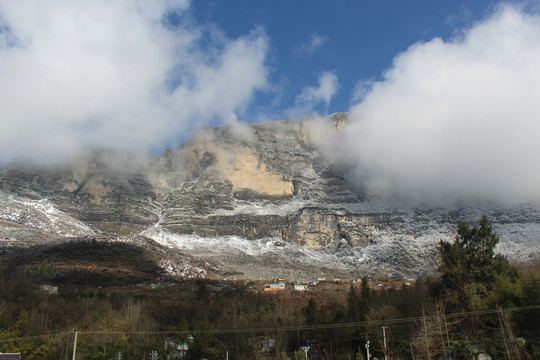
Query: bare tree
column 432, row 336
column 507, row 336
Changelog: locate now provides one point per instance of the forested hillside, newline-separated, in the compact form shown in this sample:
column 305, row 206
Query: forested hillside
column 477, row 303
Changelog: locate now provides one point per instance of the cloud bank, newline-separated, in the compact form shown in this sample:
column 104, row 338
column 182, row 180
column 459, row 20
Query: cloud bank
column 453, row 120
column 117, row 75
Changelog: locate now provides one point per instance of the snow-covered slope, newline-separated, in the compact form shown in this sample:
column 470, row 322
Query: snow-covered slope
column 41, row 214
column 406, row 249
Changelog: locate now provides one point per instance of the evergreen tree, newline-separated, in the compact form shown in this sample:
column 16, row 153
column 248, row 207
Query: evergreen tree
column 365, row 297
column 353, row 302
column 469, row 265
column 311, row 311
column 358, row 305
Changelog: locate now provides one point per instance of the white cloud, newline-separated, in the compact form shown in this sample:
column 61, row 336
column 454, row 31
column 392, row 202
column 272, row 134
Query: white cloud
column 362, row 89
column 454, row 120
column 328, row 84
column 113, row 74
column 314, row 43
column 312, row 98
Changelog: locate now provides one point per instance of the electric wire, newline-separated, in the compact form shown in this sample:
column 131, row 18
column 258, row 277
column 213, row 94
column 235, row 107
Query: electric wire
column 294, row 328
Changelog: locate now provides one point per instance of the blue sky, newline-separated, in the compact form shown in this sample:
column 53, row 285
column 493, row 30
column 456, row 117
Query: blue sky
column 355, row 40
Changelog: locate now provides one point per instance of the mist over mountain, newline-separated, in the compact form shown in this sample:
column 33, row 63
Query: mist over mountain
column 257, row 201
column 120, row 76
column 452, row 120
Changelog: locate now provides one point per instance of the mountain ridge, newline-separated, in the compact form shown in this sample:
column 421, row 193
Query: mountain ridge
column 264, row 192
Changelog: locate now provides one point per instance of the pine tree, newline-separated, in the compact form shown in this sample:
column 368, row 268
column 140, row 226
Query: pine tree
column 469, row 265
column 353, row 302
column 311, row 311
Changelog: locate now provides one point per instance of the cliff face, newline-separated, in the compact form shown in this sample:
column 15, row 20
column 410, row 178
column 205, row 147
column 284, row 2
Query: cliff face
column 264, row 181
column 88, row 192
column 260, row 181
column 267, row 181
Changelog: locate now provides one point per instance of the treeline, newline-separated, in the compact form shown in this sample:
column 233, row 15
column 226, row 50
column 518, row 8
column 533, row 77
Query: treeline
column 477, row 303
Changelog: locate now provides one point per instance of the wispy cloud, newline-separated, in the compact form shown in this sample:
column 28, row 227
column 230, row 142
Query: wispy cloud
column 117, row 75
column 315, row 98
column 463, row 15
column 361, row 90
column 314, row 43
column 453, row 120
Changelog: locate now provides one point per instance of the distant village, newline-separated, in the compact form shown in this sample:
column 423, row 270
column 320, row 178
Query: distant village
column 279, row 284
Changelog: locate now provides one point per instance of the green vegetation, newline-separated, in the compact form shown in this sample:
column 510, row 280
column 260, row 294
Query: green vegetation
column 477, row 303
column 474, row 279
column 469, row 266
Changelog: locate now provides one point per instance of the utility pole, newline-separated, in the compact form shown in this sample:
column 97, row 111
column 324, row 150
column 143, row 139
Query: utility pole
column 305, row 348
column 224, row 348
column 367, row 348
column 384, row 342
column 75, row 344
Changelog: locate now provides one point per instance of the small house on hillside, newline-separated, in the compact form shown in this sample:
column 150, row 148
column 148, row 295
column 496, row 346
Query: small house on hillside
column 300, row 287
column 274, row 287
column 179, row 350
column 262, row 344
column 49, row 289
column 11, row 356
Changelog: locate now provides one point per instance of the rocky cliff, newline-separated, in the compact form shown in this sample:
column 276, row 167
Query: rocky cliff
column 257, row 201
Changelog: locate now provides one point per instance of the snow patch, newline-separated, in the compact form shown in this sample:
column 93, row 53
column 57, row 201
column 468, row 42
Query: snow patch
column 41, row 214
column 264, row 208
column 392, row 252
column 183, row 270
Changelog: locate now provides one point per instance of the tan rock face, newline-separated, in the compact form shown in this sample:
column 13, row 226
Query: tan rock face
column 247, row 172
column 86, row 178
column 244, row 169
column 316, row 228
column 245, row 186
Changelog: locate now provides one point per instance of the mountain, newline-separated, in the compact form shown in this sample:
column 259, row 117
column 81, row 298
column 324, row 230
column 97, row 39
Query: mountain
column 254, row 201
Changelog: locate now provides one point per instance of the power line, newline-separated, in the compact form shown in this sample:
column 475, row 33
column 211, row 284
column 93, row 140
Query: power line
column 292, row 328
column 35, row 337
